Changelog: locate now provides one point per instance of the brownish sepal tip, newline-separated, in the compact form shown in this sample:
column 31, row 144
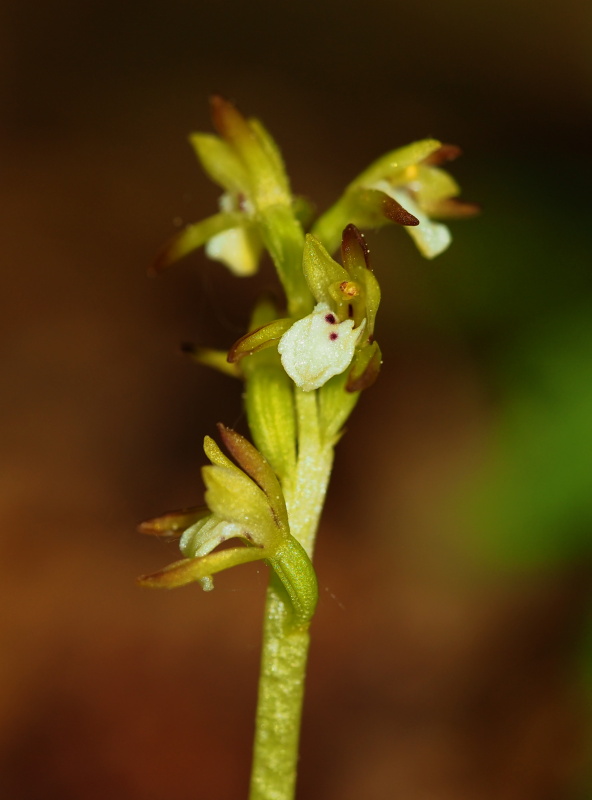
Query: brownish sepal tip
column 227, row 119
column 396, row 213
column 353, row 246
column 452, row 208
column 447, row 152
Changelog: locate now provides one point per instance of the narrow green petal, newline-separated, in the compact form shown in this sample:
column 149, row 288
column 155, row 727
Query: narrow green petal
column 259, row 339
column 271, row 149
column 371, row 292
column 215, row 359
column 220, row 162
column 194, row 236
column 216, row 455
column 320, row 270
column 191, row 570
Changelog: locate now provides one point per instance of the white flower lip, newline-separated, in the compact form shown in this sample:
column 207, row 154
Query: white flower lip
column 239, row 248
column 318, row 346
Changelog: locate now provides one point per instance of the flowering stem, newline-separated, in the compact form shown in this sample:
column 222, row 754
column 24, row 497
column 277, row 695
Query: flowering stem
column 306, row 495
column 285, row 646
column 279, row 707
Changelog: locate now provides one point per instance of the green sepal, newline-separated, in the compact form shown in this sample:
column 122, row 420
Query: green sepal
column 234, row 497
column 320, row 270
column 216, row 455
column 392, row 165
column 434, row 185
column 365, row 368
column 258, row 468
column 372, row 298
column 215, row 359
column 256, row 150
column 294, row 568
column 194, row 236
column 266, row 336
column 355, row 255
column 173, row 523
column 272, row 151
column 192, row 570
column 220, row 162
column 356, row 260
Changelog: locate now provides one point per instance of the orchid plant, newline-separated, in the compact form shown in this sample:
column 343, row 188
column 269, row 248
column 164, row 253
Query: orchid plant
column 303, row 368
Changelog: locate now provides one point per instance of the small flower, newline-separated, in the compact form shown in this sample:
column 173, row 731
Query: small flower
column 245, row 162
column 406, row 187
column 318, row 346
column 340, row 329
column 246, row 503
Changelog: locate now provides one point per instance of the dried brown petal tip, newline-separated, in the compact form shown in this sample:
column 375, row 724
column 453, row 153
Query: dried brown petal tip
column 163, row 260
column 173, row 523
column 354, row 250
column 396, row 213
column 452, row 208
column 447, row 152
column 227, row 119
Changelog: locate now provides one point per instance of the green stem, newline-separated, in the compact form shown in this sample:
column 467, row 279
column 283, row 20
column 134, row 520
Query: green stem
column 279, row 706
column 305, row 496
column 285, row 647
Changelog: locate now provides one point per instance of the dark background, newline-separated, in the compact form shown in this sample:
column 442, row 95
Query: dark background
column 449, row 657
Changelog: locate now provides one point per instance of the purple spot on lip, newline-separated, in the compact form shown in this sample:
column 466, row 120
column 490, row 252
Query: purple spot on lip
column 333, row 336
column 330, row 318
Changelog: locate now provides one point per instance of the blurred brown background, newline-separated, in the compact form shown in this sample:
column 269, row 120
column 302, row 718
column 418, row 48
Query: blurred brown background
column 449, row 658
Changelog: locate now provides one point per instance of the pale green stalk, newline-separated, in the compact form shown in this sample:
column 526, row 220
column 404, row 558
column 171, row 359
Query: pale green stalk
column 285, row 647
